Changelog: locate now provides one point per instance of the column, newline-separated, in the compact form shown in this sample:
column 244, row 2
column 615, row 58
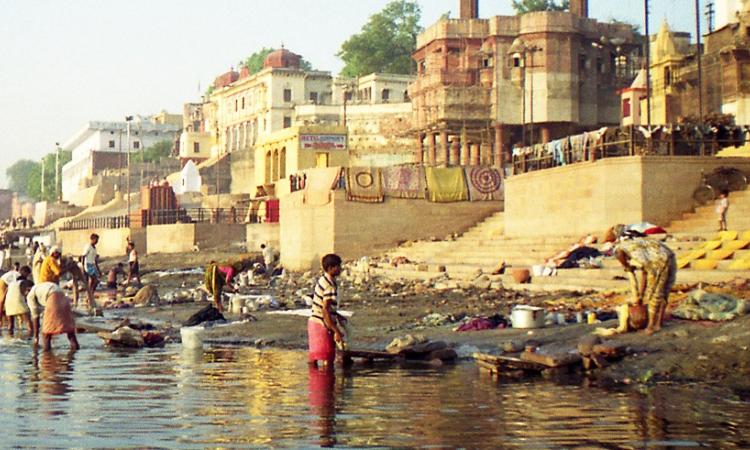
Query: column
column 465, row 152
column 474, row 154
column 485, row 153
column 545, row 134
column 444, row 147
column 499, row 157
column 419, row 154
column 455, row 157
column 431, row 148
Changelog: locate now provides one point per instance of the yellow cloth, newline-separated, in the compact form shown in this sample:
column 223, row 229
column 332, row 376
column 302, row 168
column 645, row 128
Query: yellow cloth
column 50, row 270
column 446, row 184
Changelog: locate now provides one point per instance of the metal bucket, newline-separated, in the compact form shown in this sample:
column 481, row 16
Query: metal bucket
column 527, row 317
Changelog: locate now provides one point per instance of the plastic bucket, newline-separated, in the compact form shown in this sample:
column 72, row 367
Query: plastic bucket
column 192, row 337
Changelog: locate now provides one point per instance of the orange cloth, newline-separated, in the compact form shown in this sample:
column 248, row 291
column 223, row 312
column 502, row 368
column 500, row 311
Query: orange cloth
column 58, row 315
column 50, row 270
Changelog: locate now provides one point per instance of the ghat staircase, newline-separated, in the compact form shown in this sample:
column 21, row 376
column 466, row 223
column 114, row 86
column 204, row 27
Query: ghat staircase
column 480, row 249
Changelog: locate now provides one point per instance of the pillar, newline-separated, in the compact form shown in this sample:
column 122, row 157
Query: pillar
column 431, row 148
column 499, row 157
column 469, row 9
column 545, row 134
column 474, row 154
column 485, row 153
column 455, row 158
column 464, row 152
column 444, row 147
column 419, row 154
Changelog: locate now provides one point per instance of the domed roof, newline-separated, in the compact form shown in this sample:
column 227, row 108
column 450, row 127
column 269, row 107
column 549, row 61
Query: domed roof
column 282, row 59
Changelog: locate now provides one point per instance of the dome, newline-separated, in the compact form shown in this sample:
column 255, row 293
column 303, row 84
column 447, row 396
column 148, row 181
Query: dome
column 282, row 59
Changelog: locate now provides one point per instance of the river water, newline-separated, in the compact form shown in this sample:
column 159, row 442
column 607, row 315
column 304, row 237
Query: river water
column 241, row 397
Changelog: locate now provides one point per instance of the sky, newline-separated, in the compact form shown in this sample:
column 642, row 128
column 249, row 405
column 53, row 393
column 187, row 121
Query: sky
column 66, row 62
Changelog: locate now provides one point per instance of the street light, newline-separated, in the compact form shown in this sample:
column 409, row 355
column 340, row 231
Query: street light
column 519, row 49
column 127, row 194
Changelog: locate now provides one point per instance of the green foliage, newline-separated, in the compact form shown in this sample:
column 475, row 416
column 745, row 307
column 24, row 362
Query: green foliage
column 209, row 90
column 25, row 176
column 254, row 62
column 525, row 6
column 385, row 43
column 153, row 154
column 18, row 174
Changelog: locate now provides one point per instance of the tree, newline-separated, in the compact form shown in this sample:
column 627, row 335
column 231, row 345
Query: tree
column 18, row 175
column 525, row 6
column 385, row 43
column 254, row 62
column 25, row 176
column 153, row 154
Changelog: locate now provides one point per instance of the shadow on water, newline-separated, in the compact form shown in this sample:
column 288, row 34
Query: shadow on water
column 238, row 397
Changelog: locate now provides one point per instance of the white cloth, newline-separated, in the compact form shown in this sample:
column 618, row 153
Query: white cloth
column 10, row 277
column 89, row 254
column 268, row 255
column 15, row 304
column 133, row 256
column 36, row 299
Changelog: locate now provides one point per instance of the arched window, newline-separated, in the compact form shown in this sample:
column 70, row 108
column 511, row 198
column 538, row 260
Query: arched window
column 275, row 168
column 282, row 163
column 268, row 168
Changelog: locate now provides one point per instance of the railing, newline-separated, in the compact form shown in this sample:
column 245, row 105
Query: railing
column 626, row 141
column 97, row 222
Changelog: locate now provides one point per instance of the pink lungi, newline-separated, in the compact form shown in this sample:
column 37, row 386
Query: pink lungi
column 58, row 315
column 320, row 342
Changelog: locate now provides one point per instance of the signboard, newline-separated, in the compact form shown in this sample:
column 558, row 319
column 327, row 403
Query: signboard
column 323, row 141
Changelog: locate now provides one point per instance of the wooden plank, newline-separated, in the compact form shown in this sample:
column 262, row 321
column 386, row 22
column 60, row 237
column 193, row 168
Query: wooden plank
column 560, row 360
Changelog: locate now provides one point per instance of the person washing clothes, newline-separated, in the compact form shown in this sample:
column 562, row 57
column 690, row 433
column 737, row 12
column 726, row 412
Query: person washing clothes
column 658, row 267
column 325, row 326
column 48, row 298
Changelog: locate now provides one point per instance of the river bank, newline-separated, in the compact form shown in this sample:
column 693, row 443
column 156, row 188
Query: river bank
column 683, row 351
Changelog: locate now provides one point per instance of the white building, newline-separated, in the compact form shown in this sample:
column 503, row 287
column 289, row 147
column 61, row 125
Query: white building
column 99, row 146
column 190, row 179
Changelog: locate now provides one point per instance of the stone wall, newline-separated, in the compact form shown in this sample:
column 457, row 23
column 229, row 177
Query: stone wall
column 353, row 229
column 262, row 233
column 590, row 197
column 183, row 237
column 112, row 242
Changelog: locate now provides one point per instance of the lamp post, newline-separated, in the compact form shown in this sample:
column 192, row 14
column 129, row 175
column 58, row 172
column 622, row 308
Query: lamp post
column 127, row 189
column 58, row 194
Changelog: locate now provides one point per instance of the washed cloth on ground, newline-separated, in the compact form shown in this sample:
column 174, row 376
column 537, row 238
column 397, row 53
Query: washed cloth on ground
column 702, row 305
column 364, row 184
column 446, row 184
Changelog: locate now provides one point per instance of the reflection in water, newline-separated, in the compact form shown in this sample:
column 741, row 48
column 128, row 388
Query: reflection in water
column 172, row 398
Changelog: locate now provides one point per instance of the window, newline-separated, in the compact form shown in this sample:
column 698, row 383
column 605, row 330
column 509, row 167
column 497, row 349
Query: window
column 287, row 121
column 136, row 144
column 667, row 76
column 583, row 63
column 406, row 96
column 287, row 95
column 314, row 98
column 282, row 163
column 275, row 168
column 487, row 62
column 235, row 105
column 385, row 95
column 268, row 168
column 348, row 96
column 626, row 108
column 516, row 61
column 111, row 144
column 321, row 160
column 243, row 102
column 196, row 147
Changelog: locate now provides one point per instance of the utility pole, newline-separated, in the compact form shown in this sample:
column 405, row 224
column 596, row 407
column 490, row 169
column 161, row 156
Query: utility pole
column 42, row 186
column 57, row 172
column 648, row 65
column 143, row 153
column 698, row 53
column 119, row 162
column 127, row 120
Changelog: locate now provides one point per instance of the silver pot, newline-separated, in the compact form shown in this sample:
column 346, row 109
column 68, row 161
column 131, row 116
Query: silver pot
column 524, row 316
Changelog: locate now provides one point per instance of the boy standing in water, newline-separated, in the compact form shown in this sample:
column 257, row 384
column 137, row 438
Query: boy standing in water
column 722, row 206
column 324, row 328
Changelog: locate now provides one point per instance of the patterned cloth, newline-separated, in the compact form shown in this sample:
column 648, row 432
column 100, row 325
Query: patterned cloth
column 659, row 264
column 364, row 184
column 446, row 184
column 406, row 181
column 485, row 183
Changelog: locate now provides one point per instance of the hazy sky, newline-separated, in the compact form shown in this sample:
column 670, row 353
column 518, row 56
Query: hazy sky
column 65, row 62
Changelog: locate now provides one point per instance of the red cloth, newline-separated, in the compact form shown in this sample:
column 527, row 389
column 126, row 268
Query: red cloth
column 320, row 342
column 228, row 272
column 58, row 315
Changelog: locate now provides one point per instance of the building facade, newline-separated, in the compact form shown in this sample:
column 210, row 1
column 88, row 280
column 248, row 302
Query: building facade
column 485, row 85
column 101, row 146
